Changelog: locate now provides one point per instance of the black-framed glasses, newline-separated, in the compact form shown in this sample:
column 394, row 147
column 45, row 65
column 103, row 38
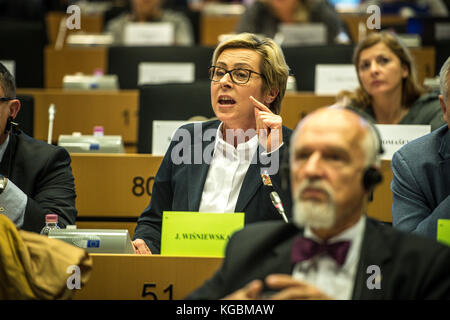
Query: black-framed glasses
column 3, row 99
column 238, row 76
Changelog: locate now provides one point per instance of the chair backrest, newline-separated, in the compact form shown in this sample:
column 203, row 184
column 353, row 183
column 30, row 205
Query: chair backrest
column 124, row 61
column 303, row 60
column 170, row 102
column 23, row 42
column 25, row 117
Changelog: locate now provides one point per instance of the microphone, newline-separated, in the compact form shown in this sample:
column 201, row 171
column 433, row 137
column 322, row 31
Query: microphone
column 277, row 204
column 51, row 117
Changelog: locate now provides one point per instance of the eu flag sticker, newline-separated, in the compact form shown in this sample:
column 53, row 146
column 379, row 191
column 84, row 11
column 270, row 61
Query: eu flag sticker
column 93, row 244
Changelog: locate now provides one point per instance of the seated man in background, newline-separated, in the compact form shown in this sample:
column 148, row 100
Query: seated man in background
column 266, row 16
column 421, row 168
column 152, row 11
column 331, row 250
column 35, row 177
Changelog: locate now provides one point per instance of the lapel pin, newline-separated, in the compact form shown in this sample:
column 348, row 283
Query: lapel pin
column 266, row 179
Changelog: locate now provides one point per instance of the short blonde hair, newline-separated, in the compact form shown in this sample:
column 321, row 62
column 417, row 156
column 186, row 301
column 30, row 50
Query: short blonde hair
column 411, row 89
column 273, row 65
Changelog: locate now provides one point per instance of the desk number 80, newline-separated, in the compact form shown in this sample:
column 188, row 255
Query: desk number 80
column 142, row 186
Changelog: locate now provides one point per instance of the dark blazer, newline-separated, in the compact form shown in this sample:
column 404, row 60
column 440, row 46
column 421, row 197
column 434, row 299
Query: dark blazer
column 421, row 183
column 411, row 267
column 179, row 187
column 43, row 173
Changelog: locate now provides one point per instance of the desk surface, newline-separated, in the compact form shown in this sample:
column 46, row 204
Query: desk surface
column 113, row 185
column 81, row 110
column 133, row 277
column 118, row 186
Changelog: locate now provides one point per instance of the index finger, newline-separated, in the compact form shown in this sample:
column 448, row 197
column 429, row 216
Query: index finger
column 260, row 105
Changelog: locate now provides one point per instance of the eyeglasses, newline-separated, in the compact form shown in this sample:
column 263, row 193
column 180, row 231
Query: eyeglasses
column 3, row 99
column 238, row 76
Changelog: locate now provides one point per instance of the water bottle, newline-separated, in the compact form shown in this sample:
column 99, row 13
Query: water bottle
column 51, row 222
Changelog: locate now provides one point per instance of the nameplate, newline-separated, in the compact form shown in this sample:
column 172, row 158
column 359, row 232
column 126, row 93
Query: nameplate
column 443, row 231
column 394, row 136
column 10, row 65
column 158, row 73
column 198, row 234
column 162, row 133
column 330, row 79
column 149, row 33
column 302, row 34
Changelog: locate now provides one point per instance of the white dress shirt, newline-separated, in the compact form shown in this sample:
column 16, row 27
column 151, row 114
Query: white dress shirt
column 226, row 174
column 13, row 201
column 324, row 273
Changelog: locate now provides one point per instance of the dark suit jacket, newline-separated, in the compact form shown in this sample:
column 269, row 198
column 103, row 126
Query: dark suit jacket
column 179, row 187
column 421, row 183
column 411, row 267
column 43, row 173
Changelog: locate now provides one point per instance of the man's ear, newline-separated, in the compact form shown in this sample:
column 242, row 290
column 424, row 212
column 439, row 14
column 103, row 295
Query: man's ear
column 14, row 108
column 443, row 108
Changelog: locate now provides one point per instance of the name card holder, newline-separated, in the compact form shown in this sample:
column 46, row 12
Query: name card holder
column 443, row 231
column 159, row 73
column 149, row 33
column 198, row 234
column 330, row 79
column 394, row 136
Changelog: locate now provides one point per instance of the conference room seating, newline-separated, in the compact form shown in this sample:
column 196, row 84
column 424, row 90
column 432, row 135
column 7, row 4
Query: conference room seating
column 112, row 189
column 124, row 61
column 296, row 105
column 442, row 51
column 89, row 23
column 170, row 102
column 81, row 110
column 212, row 26
column 71, row 60
column 133, row 277
column 303, row 60
column 23, row 42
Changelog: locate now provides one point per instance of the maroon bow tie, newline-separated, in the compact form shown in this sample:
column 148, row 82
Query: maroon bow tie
column 304, row 249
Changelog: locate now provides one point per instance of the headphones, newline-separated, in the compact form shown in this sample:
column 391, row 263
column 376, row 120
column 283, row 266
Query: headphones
column 10, row 125
column 371, row 176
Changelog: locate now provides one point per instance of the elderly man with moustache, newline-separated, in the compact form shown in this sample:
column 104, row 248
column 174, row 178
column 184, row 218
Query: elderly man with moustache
column 331, row 250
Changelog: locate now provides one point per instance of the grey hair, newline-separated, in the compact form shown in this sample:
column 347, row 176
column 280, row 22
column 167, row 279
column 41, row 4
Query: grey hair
column 371, row 144
column 7, row 82
column 443, row 79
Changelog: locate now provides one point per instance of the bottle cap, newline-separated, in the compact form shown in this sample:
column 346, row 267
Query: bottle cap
column 51, row 218
column 98, row 131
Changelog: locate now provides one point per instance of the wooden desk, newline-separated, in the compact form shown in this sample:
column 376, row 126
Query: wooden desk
column 116, row 111
column 88, row 23
column 352, row 21
column 137, row 277
column 297, row 105
column 112, row 189
column 212, row 26
column 70, row 60
column 425, row 60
